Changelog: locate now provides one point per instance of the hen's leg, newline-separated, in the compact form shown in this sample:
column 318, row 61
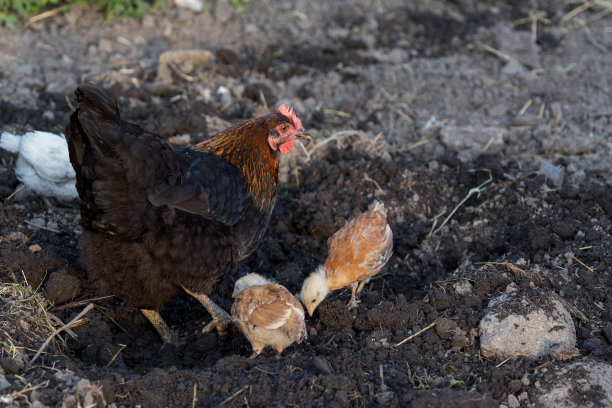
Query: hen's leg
column 221, row 319
column 167, row 335
column 353, row 302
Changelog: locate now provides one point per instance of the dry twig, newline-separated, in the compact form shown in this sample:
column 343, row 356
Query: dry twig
column 417, row 333
column 64, row 327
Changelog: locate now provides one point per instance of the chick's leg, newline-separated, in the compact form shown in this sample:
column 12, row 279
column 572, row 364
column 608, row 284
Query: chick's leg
column 353, row 302
column 167, row 335
column 355, row 291
column 361, row 285
column 221, row 319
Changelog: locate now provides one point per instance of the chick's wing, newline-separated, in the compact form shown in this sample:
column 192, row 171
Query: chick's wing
column 267, row 306
column 360, row 248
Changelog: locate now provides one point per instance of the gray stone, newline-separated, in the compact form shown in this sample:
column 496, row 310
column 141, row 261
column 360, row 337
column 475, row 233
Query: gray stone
column 4, row 384
column 574, row 386
column 513, row 68
column 516, row 325
column 322, row 365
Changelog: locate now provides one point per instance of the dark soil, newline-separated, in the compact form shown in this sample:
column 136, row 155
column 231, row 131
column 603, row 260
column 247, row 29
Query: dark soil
column 350, row 358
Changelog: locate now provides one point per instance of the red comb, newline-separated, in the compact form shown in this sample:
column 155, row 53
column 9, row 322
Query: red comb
column 289, row 112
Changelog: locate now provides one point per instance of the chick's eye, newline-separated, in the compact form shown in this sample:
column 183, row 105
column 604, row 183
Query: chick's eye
column 313, row 300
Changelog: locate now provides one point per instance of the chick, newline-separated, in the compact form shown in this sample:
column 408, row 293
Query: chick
column 357, row 252
column 267, row 314
column 42, row 163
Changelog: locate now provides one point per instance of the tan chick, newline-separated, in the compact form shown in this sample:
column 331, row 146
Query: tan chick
column 267, row 314
column 357, row 252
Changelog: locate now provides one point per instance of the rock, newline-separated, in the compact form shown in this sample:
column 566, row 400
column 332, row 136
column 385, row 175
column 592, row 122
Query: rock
column 190, row 58
column 383, row 398
column 586, row 384
column 322, row 365
column 554, row 175
column 4, row 384
column 470, row 141
column 525, row 380
column 513, row 402
column 513, row 68
column 463, row 287
column 518, row 325
column 35, row 248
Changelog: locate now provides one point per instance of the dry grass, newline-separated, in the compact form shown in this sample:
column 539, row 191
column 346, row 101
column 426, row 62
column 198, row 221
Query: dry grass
column 25, row 322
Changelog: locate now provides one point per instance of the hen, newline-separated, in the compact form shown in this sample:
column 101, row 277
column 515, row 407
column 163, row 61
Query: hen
column 267, row 314
column 357, row 252
column 157, row 220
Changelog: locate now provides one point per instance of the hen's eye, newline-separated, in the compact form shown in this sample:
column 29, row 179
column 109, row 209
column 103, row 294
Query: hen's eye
column 284, row 128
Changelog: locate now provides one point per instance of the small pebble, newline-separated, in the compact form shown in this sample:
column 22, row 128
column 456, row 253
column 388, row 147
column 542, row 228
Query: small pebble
column 513, row 402
column 525, row 380
column 35, row 248
column 322, row 365
column 383, row 398
column 4, row 384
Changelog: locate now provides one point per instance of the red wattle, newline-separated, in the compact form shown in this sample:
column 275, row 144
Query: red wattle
column 286, row 147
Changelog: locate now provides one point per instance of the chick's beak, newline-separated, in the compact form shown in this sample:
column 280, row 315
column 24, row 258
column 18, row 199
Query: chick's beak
column 310, row 311
column 302, row 134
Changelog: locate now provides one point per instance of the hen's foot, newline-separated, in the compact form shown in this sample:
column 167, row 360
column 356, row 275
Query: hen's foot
column 221, row 320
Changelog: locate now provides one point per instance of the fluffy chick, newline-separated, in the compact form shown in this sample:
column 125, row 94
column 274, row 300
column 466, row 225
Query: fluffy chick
column 267, row 314
column 357, row 252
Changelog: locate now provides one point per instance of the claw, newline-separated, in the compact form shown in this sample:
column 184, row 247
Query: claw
column 222, row 324
column 353, row 304
column 221, row 319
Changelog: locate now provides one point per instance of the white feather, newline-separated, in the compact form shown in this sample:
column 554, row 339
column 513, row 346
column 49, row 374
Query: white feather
column 10, row 142
column 43, row 163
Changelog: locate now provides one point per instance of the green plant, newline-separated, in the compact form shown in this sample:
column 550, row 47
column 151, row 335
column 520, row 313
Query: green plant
column 238, row 4
column 13, row 10
column 130, row 8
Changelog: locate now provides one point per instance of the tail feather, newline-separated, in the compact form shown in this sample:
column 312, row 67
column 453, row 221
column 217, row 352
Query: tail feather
column 91, row 98
column 94, row 134
column 117, row 164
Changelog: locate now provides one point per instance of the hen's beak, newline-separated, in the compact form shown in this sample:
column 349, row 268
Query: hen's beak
column 302, row 134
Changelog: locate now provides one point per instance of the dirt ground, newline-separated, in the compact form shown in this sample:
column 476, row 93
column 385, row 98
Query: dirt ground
column 417, row 104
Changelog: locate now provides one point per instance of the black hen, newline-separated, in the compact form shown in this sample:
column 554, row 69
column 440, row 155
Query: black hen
column 155, row 219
